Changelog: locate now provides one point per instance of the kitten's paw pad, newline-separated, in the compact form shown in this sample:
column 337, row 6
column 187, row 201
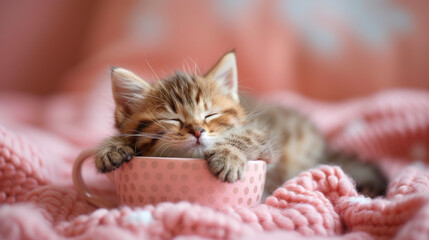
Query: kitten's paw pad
column 225, row 165
column 111, row 158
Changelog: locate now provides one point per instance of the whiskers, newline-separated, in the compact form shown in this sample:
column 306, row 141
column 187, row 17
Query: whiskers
column 148, row 135
column 165, row 138
column 182, row 149
column 196, row 71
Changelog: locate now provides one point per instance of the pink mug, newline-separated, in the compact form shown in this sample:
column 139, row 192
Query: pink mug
column 151, row 180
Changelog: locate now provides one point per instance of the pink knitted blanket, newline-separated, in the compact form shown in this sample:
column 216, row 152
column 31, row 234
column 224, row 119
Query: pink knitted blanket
column 39, row 140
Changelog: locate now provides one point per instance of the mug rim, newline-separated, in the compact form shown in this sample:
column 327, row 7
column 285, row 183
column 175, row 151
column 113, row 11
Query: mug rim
column 186, row 159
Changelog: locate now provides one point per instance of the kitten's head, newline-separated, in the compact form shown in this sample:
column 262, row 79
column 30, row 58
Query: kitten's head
column 178, row 116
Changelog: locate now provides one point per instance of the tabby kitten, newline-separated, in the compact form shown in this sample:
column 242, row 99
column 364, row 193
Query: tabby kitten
column 200, row 117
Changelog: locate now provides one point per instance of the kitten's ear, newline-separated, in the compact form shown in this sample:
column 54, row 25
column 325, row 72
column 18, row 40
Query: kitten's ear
column 224, row 72
column 127, row 88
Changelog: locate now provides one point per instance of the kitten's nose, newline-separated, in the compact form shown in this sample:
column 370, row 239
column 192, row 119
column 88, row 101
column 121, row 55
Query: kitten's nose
column 197, row 132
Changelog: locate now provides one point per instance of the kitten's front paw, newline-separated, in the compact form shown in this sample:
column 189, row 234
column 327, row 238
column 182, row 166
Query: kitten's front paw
column 226, row 164
column 112, row 157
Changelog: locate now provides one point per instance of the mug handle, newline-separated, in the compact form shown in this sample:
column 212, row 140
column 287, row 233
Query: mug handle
column 80, row 185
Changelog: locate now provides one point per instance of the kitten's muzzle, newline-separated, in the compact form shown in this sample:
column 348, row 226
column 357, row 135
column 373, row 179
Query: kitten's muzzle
column 197, row 132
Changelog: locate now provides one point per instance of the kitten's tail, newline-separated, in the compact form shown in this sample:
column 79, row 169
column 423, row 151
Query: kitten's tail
column 370, row 180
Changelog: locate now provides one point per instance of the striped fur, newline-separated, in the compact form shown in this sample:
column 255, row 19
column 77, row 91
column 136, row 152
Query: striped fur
column 201, row 117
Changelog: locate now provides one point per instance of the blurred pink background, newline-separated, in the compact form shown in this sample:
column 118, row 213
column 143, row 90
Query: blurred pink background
column 331, row 50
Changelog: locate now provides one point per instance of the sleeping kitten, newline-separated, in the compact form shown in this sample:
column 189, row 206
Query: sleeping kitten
column 201, row 117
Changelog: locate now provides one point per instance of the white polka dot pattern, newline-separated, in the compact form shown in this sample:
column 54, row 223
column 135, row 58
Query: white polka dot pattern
column 146, row 180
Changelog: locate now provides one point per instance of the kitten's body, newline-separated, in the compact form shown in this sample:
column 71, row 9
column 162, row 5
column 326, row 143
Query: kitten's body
column 200, row 116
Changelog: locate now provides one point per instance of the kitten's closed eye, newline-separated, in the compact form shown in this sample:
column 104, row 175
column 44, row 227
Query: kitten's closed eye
column 211, row 116
column 174, row 121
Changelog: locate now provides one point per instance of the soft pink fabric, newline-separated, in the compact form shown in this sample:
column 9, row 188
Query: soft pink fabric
column 38, row 200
